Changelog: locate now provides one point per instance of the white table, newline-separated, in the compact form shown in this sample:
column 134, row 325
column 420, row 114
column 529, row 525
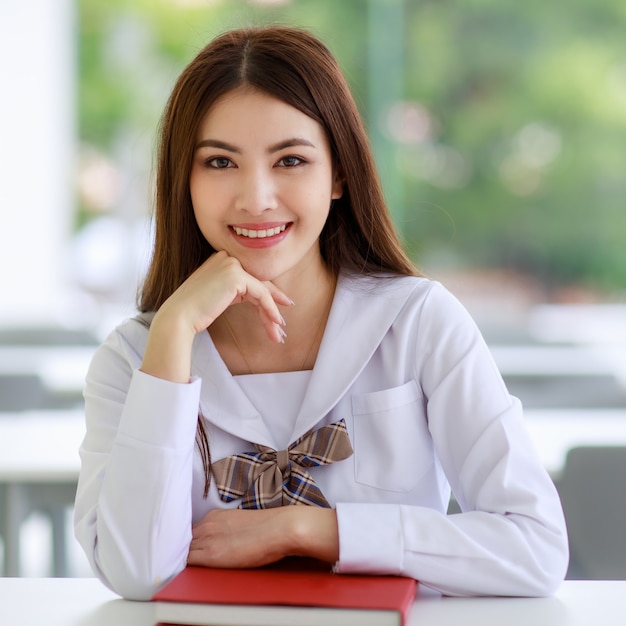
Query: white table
column 554, row 360
column 555, row 431
column 61, row 368
column 86, row 602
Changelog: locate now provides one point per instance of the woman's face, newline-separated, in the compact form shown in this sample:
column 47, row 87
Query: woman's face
column 262, row 182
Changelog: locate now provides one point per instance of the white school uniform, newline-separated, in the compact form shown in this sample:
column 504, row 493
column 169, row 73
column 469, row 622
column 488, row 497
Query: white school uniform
column 404, row 365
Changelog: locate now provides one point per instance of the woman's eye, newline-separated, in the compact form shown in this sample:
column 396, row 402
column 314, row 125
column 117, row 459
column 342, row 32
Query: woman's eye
column 219, row 163
column 290, row 161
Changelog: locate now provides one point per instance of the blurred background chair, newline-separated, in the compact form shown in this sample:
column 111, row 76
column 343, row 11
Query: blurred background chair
column 42, row 371
column 23, row 392
column 593, row 492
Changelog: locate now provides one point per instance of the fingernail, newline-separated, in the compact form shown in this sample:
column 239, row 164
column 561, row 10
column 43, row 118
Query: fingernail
column 283, row 335
column 282, row 321
column 291, row 302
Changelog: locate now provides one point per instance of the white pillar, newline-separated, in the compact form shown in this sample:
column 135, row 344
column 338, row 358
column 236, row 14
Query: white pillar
column 37, row 142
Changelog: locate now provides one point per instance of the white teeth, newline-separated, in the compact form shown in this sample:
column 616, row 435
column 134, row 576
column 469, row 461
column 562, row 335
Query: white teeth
column 259, row 234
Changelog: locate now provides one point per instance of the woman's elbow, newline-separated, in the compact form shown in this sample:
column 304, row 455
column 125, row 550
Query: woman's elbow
column 548, row 566
column 135, row 576
column 134, row 589
column 134, row 585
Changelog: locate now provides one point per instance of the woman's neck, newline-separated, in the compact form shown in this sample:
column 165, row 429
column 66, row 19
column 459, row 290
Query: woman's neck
column 242, row 340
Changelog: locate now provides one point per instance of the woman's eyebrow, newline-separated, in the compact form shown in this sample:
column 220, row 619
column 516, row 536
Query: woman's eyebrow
column 290, row 143
column 281, row 145
column 216, row 143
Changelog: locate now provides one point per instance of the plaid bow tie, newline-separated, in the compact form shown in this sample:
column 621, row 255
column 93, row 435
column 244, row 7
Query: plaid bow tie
column 268, row 478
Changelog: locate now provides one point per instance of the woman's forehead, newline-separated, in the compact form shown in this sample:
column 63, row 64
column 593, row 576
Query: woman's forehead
column 250, row 114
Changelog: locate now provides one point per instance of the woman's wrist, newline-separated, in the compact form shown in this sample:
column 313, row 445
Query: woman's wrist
column 168, row 351
column 313, row 532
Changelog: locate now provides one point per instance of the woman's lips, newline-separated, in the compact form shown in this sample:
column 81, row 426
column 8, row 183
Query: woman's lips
column 260, row 235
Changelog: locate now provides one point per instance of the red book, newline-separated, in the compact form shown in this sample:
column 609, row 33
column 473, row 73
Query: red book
column 284, row 596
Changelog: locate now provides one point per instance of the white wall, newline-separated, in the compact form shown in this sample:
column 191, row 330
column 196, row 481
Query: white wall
column 37, row 141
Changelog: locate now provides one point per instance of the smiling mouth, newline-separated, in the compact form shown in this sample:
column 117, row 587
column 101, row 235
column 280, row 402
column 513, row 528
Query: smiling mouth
column 262, row 233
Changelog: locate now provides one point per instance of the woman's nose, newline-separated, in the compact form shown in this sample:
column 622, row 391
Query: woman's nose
column 257, row 193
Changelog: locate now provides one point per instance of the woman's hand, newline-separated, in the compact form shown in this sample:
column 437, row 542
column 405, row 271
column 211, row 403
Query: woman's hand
column 252, row 538
column 217, row 284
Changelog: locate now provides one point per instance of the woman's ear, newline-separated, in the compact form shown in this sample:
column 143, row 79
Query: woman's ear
column 338, row 183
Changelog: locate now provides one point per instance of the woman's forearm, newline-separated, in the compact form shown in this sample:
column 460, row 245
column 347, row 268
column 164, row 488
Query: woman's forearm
column 251, row 538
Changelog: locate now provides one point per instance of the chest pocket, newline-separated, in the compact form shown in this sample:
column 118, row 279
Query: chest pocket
column 392, row 444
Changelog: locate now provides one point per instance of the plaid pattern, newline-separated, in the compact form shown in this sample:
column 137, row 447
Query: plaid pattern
column 269, row 478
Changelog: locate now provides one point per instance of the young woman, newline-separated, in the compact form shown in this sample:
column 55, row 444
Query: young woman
column 288, row 353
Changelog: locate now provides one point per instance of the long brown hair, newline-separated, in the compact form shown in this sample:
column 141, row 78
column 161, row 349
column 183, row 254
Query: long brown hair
column 295, row 67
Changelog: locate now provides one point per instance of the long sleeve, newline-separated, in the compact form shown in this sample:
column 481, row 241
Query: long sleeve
column 510, row 538
column 133, row 503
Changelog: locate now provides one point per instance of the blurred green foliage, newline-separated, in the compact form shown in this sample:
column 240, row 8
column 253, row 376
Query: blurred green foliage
column 509, row 141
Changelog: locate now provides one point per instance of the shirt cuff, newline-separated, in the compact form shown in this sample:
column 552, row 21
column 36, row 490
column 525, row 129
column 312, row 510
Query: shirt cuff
column 370, row 538
column 159, row 412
